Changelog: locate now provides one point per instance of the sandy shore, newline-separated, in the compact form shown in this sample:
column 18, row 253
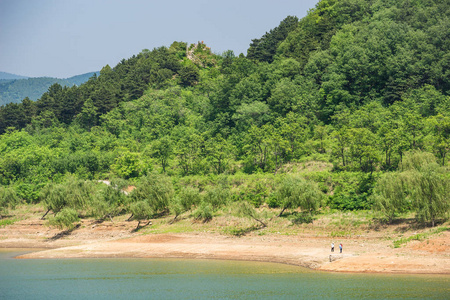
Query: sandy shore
column 361, row 254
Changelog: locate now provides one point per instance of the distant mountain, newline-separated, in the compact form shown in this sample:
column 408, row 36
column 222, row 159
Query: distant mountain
column 9, row 76
column 14, row 90
column 80, row 79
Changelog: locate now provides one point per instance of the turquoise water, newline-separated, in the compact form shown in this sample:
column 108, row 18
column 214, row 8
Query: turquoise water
column 199, row 279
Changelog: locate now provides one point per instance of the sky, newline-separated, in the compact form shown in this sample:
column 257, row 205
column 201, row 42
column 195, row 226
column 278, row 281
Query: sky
column 63, row 38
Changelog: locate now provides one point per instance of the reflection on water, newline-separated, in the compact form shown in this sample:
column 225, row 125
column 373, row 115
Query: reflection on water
column 200, row 279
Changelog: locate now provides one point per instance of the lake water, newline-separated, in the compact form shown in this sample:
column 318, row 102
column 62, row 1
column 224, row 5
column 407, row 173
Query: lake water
column 199, row 279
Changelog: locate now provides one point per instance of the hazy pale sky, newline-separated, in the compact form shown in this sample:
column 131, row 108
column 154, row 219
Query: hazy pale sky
column 63, row 38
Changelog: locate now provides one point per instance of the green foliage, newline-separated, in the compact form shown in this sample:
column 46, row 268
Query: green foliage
column 28, row 192
column 238, row 232
column 141, row 210
column 419, row 236
column 88, row 116
column 189, row 197
column 73, row 194
column 6, row 222
column 65, row 219
column 204, row 212
column 13, row 91
column 390, row 196
column 350, row 201
column 245, row 209
column 153, row 193
column 184, row 201
column 429, row 186
column 189, row 75
column 8, row 199
column 110, row 200
column 264, row 49
column 162, row 150
column 353, row 193
column 128, row 165
column 53, row 197
column 217, row 196
column 273, row 201
column 302, row 218
column 356, row 84
column 255, row 195
column 294, row 192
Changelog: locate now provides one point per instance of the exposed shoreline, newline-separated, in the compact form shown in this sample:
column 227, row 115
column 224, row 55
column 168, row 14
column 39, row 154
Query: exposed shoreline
column 304, row 252
column 371, row 252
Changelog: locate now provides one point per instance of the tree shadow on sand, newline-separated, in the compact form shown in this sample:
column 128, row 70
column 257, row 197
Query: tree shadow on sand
column 63, row 234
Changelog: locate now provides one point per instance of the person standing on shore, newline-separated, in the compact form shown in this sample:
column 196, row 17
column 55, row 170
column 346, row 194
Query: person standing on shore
column 332, row 246
column 340, row 247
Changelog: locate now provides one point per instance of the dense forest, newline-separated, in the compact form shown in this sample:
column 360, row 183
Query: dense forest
column 346, row 108
column 14, row 90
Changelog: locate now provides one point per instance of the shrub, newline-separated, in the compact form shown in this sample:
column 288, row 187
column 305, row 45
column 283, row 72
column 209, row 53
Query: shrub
column 296, row 192
column 29, row 192
column 141, row 210
column 184, row 201
column 389, row 195
column 350, row 201
column 73, row 193
column 8, row 199
column 302, row 218
column 217, row 196
column 156, row 190
column 245, row 209
column 204, row 212
column 273, row 201
column 110, row 200
column 65, row 219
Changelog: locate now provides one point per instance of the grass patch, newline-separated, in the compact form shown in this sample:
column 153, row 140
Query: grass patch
column 341, row 234
column 302, row 218
column 240, row 231
column 6, row 222
column 419, row 236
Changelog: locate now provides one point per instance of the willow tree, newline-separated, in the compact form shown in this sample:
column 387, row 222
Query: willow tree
column 110, row 201
column 141, row 210
column 429, row 186
column 53, row 197
column 245, row 209
column 73, row 193
column 294, row 192
column 389, row 195
column 151, row 196
column 65, row 219
column 184, row 201
column 8, row 200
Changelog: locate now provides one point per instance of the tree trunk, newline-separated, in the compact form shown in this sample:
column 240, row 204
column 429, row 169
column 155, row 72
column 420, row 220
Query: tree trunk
column 45, row 214
column 282, row 211
column 173, row 220
column 262, row 223
column 385, row 156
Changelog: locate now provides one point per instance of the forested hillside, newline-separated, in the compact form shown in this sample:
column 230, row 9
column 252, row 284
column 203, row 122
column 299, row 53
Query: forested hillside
column 8, row 76
column 358, row 90
column 14, row 90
